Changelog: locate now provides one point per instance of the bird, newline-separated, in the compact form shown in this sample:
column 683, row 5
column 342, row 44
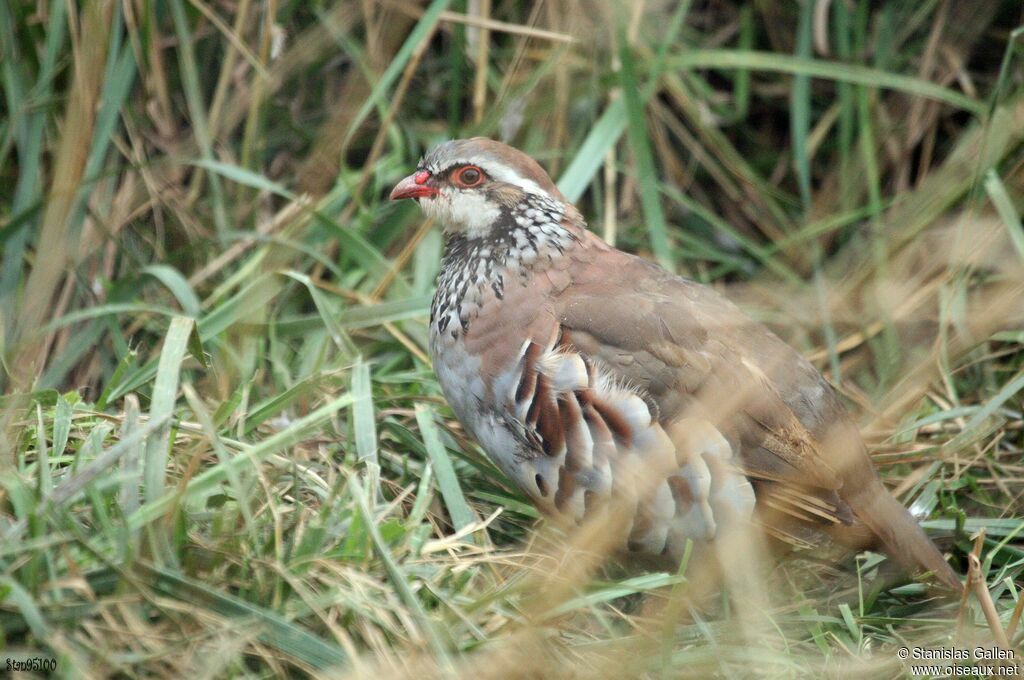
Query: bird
column 591, row 376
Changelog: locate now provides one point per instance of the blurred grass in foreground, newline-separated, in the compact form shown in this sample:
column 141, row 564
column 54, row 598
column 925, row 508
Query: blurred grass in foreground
column 222, row 449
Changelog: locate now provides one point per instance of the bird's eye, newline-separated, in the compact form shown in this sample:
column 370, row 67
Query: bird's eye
column 469, row 176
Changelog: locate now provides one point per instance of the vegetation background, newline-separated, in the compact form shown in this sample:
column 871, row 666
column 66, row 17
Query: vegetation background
column 222, row 449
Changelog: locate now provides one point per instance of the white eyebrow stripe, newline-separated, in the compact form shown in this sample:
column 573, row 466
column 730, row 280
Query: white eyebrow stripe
column 500, row 172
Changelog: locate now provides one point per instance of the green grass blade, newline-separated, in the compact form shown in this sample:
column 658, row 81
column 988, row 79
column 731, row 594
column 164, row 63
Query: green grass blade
column 178, row 286
column 193, row 91
column 61, row 426
column 244, row 177
column 647, row 175
column 447, row 480
column 363, row 420
column 15, row 594
column 385, row 312
column 1004, row 206
column 43, row 453
column 609, row 127
column 165, row 395
column 234, row 478
column 28, row 130
column 423, row 28
column 304, row 389
column 131, row 465
column 800, row 108
column 769, row 62
column 971, row 428
column 602, row 136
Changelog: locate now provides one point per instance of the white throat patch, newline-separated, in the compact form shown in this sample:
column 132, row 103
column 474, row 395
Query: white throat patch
column 467, row 211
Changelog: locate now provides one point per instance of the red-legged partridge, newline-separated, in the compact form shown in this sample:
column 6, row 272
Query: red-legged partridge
column 584, row 371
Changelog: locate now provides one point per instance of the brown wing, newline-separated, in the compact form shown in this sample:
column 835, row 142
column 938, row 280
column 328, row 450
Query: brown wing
column 628, row 368
column 696, row 354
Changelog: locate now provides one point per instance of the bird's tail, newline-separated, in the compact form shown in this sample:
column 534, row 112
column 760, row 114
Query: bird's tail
column 899, row 533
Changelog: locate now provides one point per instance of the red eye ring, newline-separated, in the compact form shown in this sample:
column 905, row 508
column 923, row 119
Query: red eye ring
column 469, row 176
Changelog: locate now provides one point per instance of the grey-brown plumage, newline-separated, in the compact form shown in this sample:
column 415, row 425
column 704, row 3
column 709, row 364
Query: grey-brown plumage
column 588, row 374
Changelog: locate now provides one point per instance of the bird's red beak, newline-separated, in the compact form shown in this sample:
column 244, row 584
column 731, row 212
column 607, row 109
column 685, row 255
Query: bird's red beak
column 414, row 186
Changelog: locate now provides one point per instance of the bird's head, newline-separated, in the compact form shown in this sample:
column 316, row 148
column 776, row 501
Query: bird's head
column 471, row 185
